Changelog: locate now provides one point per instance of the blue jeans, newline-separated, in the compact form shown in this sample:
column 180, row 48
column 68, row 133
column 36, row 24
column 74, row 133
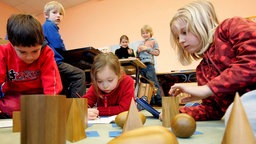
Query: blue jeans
column 150, row 73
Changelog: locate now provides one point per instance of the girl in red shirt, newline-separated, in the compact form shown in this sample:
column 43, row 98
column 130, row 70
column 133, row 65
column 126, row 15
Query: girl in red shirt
column 112, row 90
column 228, row 58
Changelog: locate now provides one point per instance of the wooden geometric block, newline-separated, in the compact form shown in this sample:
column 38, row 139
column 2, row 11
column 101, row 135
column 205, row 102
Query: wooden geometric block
column 85, row 113
column 43, row 119
column 170, row 108
column 238, row 129
column 146, row 135
column 146, row 90
column 75, row 126
column 16, row 121
column 133, row 120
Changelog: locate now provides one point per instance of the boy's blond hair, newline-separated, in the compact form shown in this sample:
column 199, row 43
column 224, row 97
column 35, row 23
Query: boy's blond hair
column 53, row 5
column 147, row 28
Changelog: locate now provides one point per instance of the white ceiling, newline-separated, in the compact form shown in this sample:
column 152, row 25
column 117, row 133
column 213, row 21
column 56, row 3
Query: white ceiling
column 35, row 7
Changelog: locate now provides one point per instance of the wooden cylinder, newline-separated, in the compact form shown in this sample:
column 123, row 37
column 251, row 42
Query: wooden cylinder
column 43, row 119
column 170, row 107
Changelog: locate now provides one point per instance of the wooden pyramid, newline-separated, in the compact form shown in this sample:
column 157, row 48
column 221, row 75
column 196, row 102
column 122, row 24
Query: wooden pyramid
column 133, row 120
column 75, row 126
column 238, row 129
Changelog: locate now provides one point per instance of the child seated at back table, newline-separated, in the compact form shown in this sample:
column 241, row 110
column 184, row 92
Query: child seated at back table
column 27, row 64
column 124, row 51
column 112, row 90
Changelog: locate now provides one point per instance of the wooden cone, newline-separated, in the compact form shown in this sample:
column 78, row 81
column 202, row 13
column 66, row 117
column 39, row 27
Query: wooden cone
column 133, row 119
column 16, row 121
column 170, row 108
column 43, row 119
column 75, row 126
column 238, row 129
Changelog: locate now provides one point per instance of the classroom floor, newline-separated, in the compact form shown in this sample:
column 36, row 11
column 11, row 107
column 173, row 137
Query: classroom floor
column 207, row 132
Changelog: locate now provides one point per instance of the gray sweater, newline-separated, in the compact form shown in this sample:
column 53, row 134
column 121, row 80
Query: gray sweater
column 145, row 56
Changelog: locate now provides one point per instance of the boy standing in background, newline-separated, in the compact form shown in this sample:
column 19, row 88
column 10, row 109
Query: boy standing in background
column 27, row 64
column 146, row 52
column 73, row 78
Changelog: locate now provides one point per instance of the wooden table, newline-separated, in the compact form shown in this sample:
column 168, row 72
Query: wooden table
column 186, row 75
column 137, row 64
column 167, row 79
column 82, row 58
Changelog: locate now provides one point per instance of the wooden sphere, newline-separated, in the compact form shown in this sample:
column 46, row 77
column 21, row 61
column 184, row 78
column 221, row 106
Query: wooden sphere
column 121, row 118
column 183, row 125
column 146, row 135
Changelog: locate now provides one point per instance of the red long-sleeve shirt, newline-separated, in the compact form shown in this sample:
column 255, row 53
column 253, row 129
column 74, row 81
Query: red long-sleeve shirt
column 229, row 65
column 115, row 102
column 40, row 77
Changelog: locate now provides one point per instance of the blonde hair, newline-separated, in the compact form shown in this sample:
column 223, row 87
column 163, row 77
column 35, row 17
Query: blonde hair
column 147, row 28
column 201, row 20
column 54, row 5
column 100, row 62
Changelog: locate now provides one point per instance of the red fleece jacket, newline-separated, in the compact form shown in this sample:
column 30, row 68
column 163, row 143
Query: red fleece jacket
column 114, row 102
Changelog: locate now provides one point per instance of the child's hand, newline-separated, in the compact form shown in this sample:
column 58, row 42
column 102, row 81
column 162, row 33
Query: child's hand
column 142, row 48
column 195, row 92
column 93, row 113
column 129, row 51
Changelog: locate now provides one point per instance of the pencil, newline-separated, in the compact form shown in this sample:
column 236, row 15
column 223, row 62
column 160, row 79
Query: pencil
column 78, row 94
column 81, row 97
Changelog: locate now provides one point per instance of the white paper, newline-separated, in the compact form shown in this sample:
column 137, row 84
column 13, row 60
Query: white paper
column 103, row 120
column 5, row 123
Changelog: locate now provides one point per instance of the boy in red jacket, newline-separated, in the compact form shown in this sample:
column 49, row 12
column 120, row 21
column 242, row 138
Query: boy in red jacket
column 27, row 64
